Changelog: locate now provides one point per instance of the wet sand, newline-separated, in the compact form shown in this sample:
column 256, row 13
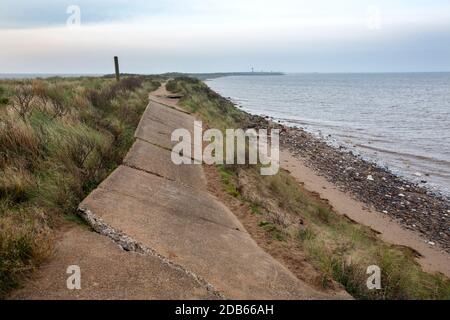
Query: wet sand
column 432, row 258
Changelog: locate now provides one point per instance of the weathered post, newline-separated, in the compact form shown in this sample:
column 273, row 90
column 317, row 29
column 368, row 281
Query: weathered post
column 116, row 65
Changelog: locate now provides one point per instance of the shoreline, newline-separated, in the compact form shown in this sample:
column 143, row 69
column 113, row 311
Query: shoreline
column 356, row 148
column 403, row 213
column 431, row 258
column 412, row 150
column 412, row 205
column 299, row 228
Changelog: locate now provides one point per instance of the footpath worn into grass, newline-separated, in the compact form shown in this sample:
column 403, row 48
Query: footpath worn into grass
column 181, row 242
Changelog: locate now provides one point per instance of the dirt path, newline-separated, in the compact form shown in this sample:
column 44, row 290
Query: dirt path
column 180, row 241
column 431, row 258
column 108, row 272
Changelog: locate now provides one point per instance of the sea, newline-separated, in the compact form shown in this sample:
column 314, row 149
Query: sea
column 401, row 121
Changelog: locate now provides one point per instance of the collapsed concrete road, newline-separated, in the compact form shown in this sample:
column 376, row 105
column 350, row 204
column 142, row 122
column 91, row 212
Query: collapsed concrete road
column 180, row 242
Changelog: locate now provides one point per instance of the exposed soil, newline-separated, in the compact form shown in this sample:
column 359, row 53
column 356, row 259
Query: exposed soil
column 288, row 252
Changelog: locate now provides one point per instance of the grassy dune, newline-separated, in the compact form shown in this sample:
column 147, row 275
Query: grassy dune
column 339, row 248
column 59, row 138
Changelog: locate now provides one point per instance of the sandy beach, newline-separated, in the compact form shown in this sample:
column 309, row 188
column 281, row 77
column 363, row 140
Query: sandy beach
column 431, row 258
column 402, row 213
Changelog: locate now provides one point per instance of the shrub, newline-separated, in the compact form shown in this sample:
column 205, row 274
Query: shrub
column 40, row 90
column 79, row 145
column 3, row 99
column 58, row 101
column 101, row 99
column 48, row 164
column 15, row 184
column 24, row 242
column 129, row 84
column 22, row 100
column 18, row 141
column 172, row 86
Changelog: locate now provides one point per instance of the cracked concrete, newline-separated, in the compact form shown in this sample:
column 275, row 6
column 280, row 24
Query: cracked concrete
column 153, row 159
column 158, row 122
column 129, row 244
column 162, row 212
column 109, row 272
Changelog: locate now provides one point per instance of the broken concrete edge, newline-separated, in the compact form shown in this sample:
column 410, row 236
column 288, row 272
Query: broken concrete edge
column 141, row 120
column 169, row 106
column 129, row 244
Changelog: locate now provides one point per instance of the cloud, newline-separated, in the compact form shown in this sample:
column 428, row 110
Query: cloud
column 40, row 13
column 208, row 35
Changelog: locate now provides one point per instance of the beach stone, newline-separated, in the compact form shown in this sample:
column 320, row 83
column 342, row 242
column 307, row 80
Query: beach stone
column 331, row 162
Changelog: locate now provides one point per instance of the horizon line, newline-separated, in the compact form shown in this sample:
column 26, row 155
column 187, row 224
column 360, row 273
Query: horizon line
column 217, row 72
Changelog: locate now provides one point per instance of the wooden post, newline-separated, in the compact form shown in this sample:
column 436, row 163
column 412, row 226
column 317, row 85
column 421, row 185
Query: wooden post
column 116, row 65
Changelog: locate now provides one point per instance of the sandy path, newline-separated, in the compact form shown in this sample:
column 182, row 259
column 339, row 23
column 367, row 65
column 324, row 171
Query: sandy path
column 432, row 259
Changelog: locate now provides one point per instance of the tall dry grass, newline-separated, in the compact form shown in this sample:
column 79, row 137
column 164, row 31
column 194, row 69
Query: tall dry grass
column 59, row 138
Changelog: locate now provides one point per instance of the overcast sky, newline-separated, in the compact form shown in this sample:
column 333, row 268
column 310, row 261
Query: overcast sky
column 156, row 36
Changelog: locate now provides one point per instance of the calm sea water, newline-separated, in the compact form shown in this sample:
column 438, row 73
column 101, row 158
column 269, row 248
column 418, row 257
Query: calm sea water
column 401, row 121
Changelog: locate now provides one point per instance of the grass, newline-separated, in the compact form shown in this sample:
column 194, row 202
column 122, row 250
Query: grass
column 216, row 111
column 339, row 248
column 228, row 178
column 274, row 231
column 255, row 208
column 59, row 138
column 75, row 218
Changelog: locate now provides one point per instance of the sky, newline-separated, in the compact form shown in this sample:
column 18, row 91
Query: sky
column 156, row 36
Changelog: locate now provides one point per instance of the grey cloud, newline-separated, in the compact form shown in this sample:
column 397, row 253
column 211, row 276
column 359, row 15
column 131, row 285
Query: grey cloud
column 29, row 14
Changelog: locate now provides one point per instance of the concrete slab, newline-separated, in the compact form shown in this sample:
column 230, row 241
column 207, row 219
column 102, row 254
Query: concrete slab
column 195, row 230
column 153, row 159
column 167, row 115
column 108, row 272
column 158, row 123
column 150, row 203
column 173, row 200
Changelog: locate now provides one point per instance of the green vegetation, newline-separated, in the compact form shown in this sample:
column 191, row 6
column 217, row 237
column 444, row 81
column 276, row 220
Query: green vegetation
column 59, row 138
column 216, row 111
column 3, row 100
column 339, row 248
column 227, row 180
column 274, row 231
column 255, row 208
